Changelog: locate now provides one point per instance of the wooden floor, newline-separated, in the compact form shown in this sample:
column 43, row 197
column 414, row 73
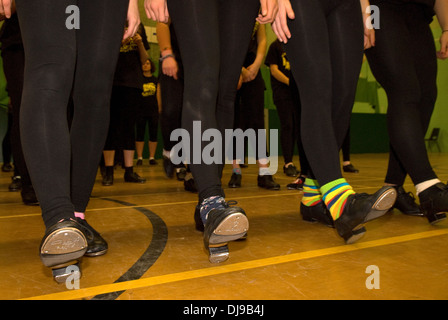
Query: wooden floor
column 156, row 253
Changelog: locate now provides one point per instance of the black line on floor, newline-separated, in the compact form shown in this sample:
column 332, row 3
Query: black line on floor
column 149, row 257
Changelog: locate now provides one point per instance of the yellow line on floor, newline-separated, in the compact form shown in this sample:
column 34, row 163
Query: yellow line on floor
column 157, row 204
column 227, row 268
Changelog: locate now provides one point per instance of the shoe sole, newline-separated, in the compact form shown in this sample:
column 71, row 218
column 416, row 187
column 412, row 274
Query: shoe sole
column 63, row 245
column 231, row 228
column 436, row 218
column 96, row 254
column 385, row 200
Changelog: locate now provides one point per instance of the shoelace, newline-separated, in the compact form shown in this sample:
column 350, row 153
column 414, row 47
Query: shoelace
column 214, row 203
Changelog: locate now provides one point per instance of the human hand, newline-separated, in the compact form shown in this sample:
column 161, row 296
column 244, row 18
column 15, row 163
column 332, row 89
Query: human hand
column 170, row 67
column 137, row 38
column 6, row 8
column 369, row 31
column 240, row 82
column 280, row 24
column 268, row 11
column 133, row 20
column 250, row 73
column 157, row 10
column 443, row 53
column 369, row 37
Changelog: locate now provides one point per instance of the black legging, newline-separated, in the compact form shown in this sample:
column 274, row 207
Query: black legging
column 325, row 52
column 170, row 119
column 63, row 164
column 404, row 62
column 124, row 105
column 249, row 115
column 213, row 38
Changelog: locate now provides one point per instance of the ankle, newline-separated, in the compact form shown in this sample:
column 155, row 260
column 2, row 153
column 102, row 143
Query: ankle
column 421, row 187
column 209, row 204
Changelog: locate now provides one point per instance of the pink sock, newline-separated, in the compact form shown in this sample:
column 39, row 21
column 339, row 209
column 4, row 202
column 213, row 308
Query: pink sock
column 80, row 215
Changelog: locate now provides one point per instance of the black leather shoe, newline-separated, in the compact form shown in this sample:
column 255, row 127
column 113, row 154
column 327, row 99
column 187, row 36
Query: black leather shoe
column 108, row 180
column 96, row 245
column 434, row 202
column 290, row 171
column 62, row 243
column 267, row 181
column 224, row 224
column 406, row 203
column 350, row 168
column 168, row 167
column 235, row 180
column 7, row 167
column 199, row 225
column 297, row 184
column 139, row 163
column 16, row 184
column 189, row 184
column 181, row 172
column 29, row 196
column 317, row 213
column 361, row 208
column 133, row 177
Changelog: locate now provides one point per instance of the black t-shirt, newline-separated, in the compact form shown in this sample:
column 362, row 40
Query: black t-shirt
column 277, row 55
column 253, row 47
column 10, row 36
column 427, row 5
column 149, row 96
column 128, row 72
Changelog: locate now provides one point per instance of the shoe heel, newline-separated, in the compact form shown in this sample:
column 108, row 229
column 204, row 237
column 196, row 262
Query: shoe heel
column 308, row 219
column 385, row 200
column 233, row 227
column 354, row 235
column 67, row 244
column 62, row 272
column 218, row 254
column 435, row 218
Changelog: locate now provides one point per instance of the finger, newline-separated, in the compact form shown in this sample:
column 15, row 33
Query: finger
column 129, row 32
column 7, row 8
column 264, row 7
column 372, row 37
column 167, row 14
column 279, row 32
column 149, row 13
column 289, row 11
column 162, row 14
column 284, row 26
column 153, row 12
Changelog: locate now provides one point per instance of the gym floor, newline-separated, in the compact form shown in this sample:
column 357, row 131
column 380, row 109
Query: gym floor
column 155, row 253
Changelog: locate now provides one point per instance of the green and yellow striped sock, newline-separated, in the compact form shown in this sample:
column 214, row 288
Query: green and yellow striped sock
column 335, row 196
column 311, row 193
